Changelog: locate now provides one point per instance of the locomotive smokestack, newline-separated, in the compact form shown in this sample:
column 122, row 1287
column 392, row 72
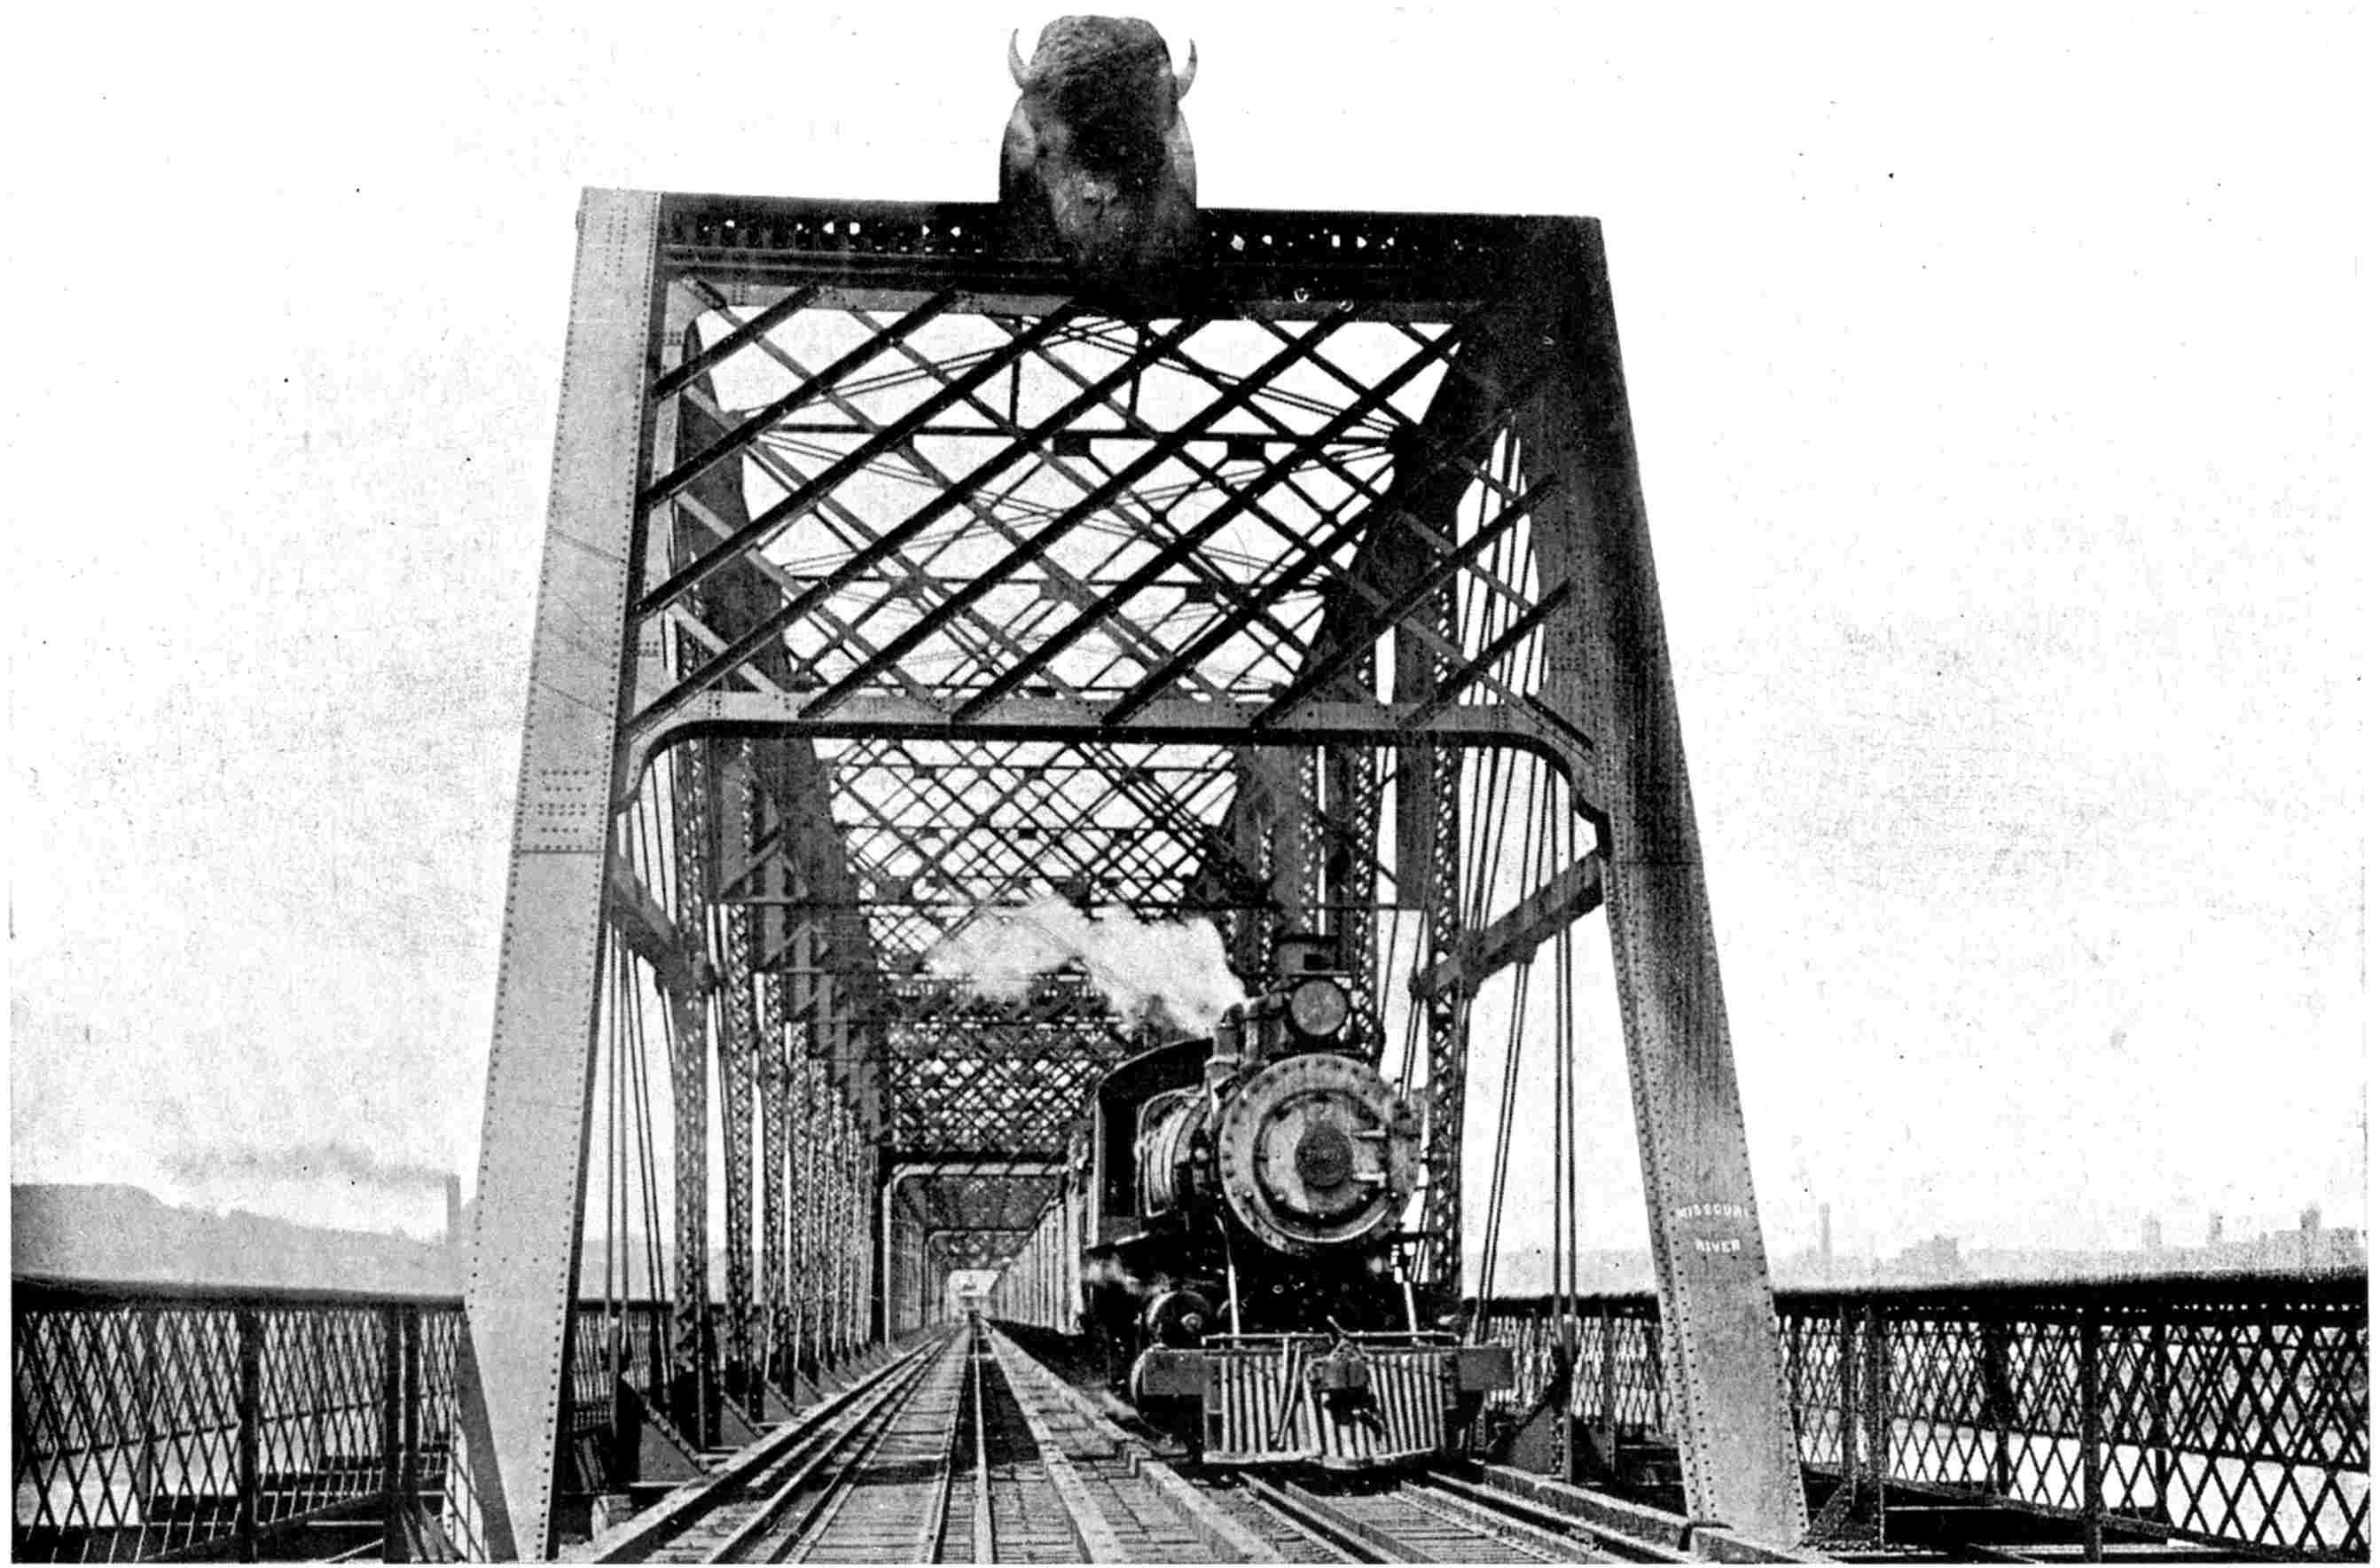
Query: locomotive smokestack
column 1304, row 953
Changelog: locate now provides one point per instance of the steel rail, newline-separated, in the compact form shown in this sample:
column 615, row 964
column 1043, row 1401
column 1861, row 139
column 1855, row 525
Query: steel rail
column 983, row 1545
column 843, row 1484
column 931, row 1543
column 1205, row 1516
column 1360, row 1542
column 1341, row 1518
column 637, row 1538
column 1083, row 1516
column 1551, row 1544
column 762, row 1521
column 928, row 1545
column 1614, row 1543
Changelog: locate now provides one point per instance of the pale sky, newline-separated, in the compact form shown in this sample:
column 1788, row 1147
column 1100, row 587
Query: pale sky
column 1997, row 390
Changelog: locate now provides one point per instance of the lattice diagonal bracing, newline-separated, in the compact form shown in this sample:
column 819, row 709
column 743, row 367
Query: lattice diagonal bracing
column 888, row 584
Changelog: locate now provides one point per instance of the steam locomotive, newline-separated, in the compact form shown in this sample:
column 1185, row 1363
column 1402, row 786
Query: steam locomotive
column 1241, row 1197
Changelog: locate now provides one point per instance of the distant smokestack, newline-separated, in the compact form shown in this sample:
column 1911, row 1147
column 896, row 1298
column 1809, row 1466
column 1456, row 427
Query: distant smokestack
column 2310, row 1221
column 453, row 1211
column 1826, row 1239
column 2215, row 1230
column 2152, row 1233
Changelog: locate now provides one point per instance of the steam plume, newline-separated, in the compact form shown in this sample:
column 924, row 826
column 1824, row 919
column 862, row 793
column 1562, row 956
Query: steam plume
column 1172, row 968
column 302, row 1162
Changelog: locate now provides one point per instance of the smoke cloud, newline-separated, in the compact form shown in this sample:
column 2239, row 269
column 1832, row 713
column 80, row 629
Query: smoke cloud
column 314, row 1162
column 1171, row 970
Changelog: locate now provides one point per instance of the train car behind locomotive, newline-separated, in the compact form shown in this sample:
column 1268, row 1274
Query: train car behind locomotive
column 1242, row 1198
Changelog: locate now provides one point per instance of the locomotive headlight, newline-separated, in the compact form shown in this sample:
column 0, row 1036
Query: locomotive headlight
column 1317, row 1008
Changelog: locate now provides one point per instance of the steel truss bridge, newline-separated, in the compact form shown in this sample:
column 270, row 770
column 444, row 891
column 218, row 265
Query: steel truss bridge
column 889, row 585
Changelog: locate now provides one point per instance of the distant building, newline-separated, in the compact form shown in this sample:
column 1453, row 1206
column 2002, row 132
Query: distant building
column 1935, row 1259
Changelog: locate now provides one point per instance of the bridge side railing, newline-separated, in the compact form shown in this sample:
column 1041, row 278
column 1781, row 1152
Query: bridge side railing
column 2230, row 1410
column 155, row 1421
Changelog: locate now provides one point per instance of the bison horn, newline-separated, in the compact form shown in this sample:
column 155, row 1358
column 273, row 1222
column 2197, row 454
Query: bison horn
column 1186, row 75
column 1016, row 70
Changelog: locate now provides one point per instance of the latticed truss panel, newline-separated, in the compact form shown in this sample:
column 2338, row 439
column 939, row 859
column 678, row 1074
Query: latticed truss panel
column 999, row 1208
column 1148, row 552
column 1190, row 509
column 1051, row 604
column 975, row 594
column 911, row 510
column 899, row 517
column 949, row 1251
column 938, row 830
column 967, row 1074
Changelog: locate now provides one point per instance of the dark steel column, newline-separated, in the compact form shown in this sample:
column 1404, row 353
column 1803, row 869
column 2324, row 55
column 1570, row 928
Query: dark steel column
column 250, row 1329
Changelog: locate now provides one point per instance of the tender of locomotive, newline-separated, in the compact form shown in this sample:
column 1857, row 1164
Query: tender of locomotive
column 1242, row 1198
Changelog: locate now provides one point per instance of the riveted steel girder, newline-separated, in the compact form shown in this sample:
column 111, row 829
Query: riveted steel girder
column 955, row 595
column 524, row 1266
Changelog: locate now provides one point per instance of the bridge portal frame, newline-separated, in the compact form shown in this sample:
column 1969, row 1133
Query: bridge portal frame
column 1543, row 352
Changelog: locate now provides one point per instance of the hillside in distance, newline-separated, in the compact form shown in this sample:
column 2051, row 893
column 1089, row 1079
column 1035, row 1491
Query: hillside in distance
column 124, row 1233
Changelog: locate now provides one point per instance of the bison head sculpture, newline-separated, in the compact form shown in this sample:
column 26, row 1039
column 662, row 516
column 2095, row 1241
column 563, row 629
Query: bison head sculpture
column 1098, row 155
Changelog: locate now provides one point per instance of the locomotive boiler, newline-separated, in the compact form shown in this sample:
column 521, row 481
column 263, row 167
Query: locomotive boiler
column 1244, row 1196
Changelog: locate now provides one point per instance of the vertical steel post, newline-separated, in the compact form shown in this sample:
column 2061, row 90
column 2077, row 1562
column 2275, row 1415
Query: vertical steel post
column 1999, row 1401
column 409, row 1477
column 1607, row 670
column 1879, row 1410
column 1847, row 1372
column 2161, row 1428
column 250, row 1329
column 693, row 1378
column 773, row 1065
column 513, row 1367
column 392, row 1424
column 2095, row 1502
column 1611, row 1381
column 145, row 1469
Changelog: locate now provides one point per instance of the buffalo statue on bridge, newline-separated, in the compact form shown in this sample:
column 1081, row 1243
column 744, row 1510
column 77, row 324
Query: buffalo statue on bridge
column 1098, row 155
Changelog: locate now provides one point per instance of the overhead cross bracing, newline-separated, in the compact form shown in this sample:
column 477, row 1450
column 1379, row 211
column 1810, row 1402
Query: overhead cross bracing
column 888, row 582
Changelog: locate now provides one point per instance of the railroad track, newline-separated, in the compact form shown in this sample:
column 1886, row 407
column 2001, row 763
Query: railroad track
column 966, row 1449
column 961, row 1451
column 756, row 1507
column 1427, row 1518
